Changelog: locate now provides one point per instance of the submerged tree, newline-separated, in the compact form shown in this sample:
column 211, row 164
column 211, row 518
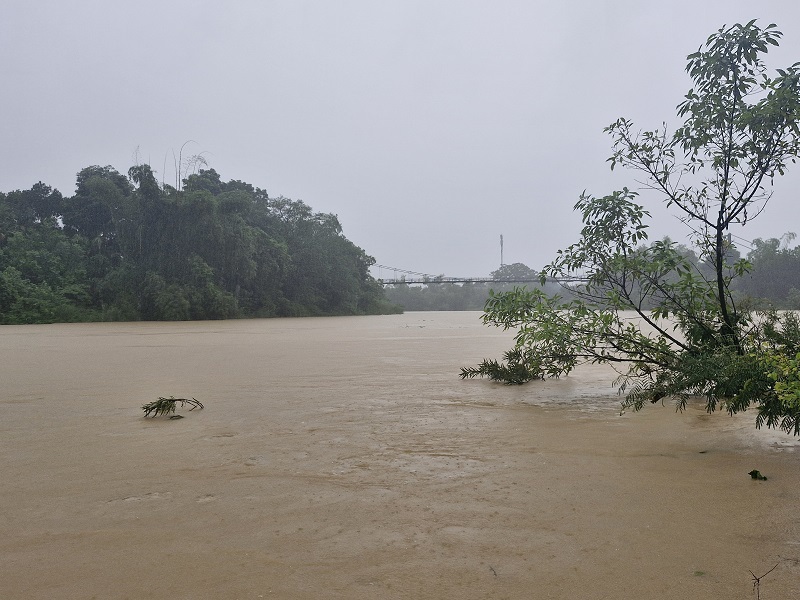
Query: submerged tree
column 688, row 336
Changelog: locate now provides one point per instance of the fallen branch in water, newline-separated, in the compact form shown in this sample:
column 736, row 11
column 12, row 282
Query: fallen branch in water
column 165, row 406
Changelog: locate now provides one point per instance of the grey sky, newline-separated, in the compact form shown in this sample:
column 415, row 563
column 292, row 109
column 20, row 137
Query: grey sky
column 430, row 127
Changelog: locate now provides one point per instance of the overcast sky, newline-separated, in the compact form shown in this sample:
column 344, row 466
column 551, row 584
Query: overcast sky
column 429, row 127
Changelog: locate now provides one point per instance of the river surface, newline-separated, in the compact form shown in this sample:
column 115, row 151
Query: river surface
column 344, row 458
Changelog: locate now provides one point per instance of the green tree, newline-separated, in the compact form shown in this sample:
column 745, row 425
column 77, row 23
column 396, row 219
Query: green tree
column 35, row 205
column 740, row 130
column 515, row 272
column 99, row 192
column 43, row 276
column 775, row 272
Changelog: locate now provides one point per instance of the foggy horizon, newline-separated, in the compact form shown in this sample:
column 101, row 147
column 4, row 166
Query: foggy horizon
column 430, row 129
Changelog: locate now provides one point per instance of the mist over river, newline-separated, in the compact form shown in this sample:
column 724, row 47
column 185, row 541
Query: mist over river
column 344, row 458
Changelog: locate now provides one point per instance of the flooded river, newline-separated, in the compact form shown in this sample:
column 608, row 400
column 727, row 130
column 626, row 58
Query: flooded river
column 343, row 458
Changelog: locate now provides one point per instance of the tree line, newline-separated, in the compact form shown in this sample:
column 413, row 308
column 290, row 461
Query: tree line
column 128, row 248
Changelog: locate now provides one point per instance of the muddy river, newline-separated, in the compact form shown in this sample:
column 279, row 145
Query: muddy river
column 343, row 458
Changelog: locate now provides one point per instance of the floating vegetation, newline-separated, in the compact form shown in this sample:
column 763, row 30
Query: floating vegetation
column 166, row 406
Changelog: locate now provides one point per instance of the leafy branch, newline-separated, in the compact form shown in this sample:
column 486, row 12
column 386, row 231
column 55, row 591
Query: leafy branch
column 688, row 337
column 166, row 406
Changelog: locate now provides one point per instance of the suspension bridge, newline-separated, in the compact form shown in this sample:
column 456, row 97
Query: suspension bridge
column 406, row 277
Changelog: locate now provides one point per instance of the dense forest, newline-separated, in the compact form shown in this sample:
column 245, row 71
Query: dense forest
column 773, row 281
column 131, row 248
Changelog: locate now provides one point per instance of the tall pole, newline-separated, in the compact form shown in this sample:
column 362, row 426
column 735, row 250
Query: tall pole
column 501, row 250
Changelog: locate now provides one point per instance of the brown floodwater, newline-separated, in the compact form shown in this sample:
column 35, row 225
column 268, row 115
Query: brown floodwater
column 344, row 458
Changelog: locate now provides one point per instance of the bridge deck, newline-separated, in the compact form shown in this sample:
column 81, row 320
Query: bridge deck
column 437, row 280
column 426, row 279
